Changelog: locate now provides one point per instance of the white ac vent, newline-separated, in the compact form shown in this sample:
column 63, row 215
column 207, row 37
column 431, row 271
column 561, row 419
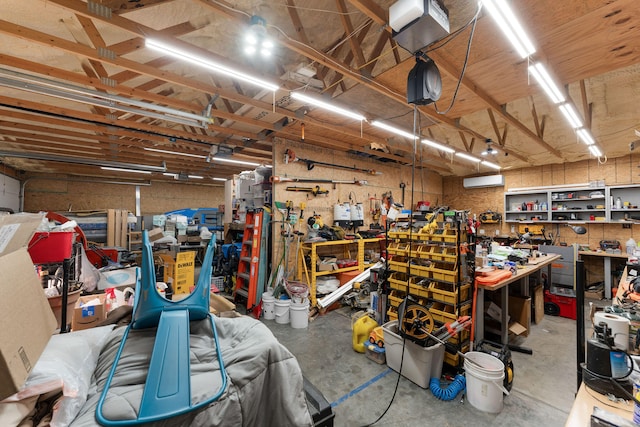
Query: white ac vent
column 484, row 181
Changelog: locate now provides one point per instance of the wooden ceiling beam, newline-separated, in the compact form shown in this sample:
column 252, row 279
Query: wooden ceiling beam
column 356, row 48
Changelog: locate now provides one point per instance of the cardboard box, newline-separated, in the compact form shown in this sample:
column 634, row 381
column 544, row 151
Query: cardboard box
column 87, row 316
column 599, row 294
column 520, row 314
column 25, row 314
column 155, row 234
column 538, row 304
column 180, row 272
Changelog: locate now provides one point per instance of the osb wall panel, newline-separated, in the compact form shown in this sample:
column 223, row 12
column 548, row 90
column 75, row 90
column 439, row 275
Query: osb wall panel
column 428, row 186
column 164, row 197
column 63, row 196
column 620, row 171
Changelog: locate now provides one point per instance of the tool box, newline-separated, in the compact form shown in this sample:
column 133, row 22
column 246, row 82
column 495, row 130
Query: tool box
column 560, row 305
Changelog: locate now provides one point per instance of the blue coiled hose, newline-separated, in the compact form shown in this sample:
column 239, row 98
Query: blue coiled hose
column 449, row 393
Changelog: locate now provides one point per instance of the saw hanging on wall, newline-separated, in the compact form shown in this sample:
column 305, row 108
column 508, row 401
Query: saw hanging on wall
column 290, row 157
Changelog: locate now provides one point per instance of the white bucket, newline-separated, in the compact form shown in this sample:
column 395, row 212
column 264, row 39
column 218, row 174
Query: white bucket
column 282, row 310
column 484, row 381
column 268, row 306
column 299, row 314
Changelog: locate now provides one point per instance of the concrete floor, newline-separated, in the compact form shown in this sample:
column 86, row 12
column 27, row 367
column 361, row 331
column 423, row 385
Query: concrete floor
column 360, row 390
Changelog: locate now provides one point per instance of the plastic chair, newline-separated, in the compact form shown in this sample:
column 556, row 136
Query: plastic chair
column 167, row 391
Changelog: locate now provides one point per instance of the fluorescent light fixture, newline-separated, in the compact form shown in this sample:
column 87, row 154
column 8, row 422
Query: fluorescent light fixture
column 196, row 176
column 585, row 136
column 540, row 73
column 219, row 179
column 201, row 61
column 83, row 95
column 81, row 161
column 321, row 104
column 510, row 26
column 172, row 175
column 468, row 157
column 109, row 168
column 393, row 129
column 491, row 165
column 175, row 153
column 438, row 146
column 237, row 162
column 571, row 115
column 595, row 150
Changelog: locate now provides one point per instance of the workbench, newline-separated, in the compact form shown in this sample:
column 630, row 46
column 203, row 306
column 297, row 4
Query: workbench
column 607, row 267
column 522, row 274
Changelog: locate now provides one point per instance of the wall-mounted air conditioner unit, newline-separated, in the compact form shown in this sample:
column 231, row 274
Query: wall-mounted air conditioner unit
column 484, row 181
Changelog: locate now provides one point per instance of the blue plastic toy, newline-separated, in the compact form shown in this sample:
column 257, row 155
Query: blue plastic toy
column 167, row 391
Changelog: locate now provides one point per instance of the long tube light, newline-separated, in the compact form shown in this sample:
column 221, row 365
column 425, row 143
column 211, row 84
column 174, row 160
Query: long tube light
column 207, row 63
column 571, row 115
column 491, row 165
column 542, row 76
column 438, row 146
column 467, row 157
column 393, row 129
column 585, row 136
column 595, row 150
column 82, row 95
column 510, row 26
column 109, row 168
column 219, row 179
column 324, row 105
column 82, row 161
column 175, row 153
column 237, row 162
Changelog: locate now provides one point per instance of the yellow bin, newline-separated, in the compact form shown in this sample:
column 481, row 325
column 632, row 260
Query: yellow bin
column 361, row 330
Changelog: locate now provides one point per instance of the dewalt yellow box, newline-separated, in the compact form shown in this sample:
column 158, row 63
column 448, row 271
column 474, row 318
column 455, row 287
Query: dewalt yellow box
column 180, row 272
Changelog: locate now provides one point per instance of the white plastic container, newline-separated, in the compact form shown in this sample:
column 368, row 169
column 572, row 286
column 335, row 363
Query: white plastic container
column 299, row 315
column 268, row 306
column 357, row 214
column 282, row 311
column 420, row 364
column 341, row 213
column 485, row 380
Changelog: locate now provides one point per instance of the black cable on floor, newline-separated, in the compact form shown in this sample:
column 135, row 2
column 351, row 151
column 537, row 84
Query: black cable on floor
column 416, row 131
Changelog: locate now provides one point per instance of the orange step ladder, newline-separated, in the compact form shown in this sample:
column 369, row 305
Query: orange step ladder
column 250, row 275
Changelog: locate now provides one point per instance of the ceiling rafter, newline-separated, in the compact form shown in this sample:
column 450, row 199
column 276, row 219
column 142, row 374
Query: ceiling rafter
column 502, row 137
column 493, row 104
column 587, row 107
column 356, row 48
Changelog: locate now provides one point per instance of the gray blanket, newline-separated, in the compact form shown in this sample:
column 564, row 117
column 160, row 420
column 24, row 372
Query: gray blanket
column 265, row 385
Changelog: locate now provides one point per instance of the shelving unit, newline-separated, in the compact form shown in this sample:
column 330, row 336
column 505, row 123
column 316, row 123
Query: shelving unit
column 436, row 268
column 344, row 249
column 590, row 204
column 630, row 198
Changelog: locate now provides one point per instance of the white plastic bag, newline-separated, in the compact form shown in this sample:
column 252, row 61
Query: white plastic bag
column 89, row 275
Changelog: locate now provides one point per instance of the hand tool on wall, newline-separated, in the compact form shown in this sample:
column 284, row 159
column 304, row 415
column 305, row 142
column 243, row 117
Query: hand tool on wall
column 313, row 190
column 290, row 157
column 303, row 206
column 278, row 179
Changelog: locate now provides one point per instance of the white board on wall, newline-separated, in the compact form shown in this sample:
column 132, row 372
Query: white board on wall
column 9, row 193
